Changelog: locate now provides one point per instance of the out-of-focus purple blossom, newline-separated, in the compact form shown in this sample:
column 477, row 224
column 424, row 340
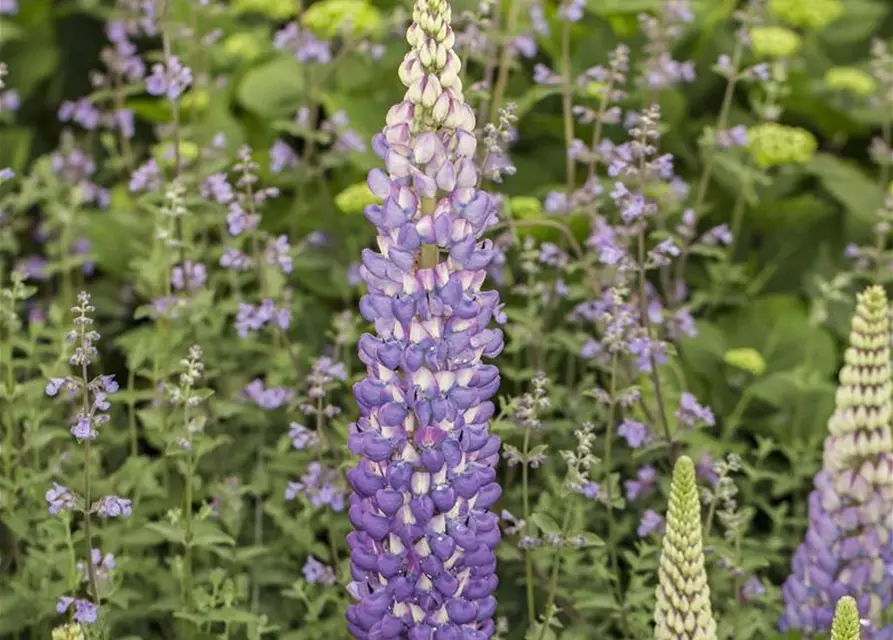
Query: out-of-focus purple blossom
column 85, row 612
column 217, row 187
column 235, row 260
column 269, row 398
column 731, row 138
column 114, row 507
column 170, row 79
column 692, row 414
column 643, row 485
column 752, row 589
column 305, row 46
column 189, row 276
column 538, row 19
column 253, row 318
column 315, row 572
column 705, row 469
column 591, row 490
column 279, row 253
column 60, row 498
column 571, row 10
column 82, row 247
column 647, row 350
column 544, row 75
column 9, row 100
column 652, row 522
column 635, row 433
column 239, row 221
column 525, row 44
column 302, row 437
column 82, row 112
column 146, row 177
column 719, row 234
column 103, row 565
column 282, row 157
column 320, row 486
column 34, row 267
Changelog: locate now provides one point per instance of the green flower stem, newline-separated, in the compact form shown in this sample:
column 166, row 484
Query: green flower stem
column 566, row 103
column 88, row 532
column 556, row 570
column 528, row 556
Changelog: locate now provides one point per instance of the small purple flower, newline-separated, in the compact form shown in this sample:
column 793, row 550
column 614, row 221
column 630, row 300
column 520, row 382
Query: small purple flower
column 85, row 612
column 572, row 10
column 189, row 276
column 644, row 484
column 652, row 522
column 282, row 157
column 60, row 498
column 82, row 112
column 146, row 177
column 9, row 99
column 113, row 507
column 691, row 414
column 269, row 398
column 315, row 572
column 83, row 428
column 635, row 433
column 235, row 260
column 302, row 437
column 752, row 589
column 319, row 485
column 279, row 252
column 169, row 79
column 217, row 186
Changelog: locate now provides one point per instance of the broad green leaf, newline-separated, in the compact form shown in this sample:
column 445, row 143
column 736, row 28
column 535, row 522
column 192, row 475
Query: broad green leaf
column 273, row 89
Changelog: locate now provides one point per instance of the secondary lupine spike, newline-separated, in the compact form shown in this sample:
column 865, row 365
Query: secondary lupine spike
column 422, row 557
column 683, row 610
column 846, row 625
column 848, row 547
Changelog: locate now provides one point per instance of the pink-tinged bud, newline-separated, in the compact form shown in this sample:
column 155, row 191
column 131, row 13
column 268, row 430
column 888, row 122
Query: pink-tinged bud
column 426, row 146
column 400, row 113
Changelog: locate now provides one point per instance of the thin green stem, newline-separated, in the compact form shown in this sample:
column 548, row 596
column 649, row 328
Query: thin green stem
column 609, row 494
column 505, row 59
column 567, row 106
column 88, row 532
column 528, row 557
column 556, row 570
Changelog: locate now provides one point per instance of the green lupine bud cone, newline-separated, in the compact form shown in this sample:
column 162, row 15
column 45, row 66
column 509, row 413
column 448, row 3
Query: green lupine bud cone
column 846, row 620
column 859, row 429
column 683, row 610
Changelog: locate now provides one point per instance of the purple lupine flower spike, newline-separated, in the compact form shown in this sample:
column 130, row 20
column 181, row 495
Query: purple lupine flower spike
column 422, row 555
column 848, row 549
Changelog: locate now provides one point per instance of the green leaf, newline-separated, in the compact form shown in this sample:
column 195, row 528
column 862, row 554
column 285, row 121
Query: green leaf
column 546, row 524
column 591, row 540
column 273, row 89
column 858, row 23
column 208, row 534
column 168, row 531
column 849, row 185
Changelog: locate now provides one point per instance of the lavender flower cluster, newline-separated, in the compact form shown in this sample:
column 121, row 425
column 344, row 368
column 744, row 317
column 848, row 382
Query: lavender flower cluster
column 422, row 555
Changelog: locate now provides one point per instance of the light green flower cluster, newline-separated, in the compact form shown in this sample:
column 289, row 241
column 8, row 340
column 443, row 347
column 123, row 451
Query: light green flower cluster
column 772, row 144
column 859, row 429
column 683, row 610
column 814, row 15
column 331, row 17
column 71, row 631
column 747, row 359
column 355, row 198
column 852, row 80
column 774, row 42
column 846, row 624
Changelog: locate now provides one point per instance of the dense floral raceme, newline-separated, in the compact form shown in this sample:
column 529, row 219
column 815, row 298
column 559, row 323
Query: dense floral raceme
column 422, row 555
column 846, row 625
column 683, row 610
column 848, row 548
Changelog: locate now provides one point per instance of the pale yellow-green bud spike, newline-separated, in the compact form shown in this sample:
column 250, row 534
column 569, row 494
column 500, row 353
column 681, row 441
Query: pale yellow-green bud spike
column 683, row 610
column 859, row 429
column 71, row 631
column 846, row 625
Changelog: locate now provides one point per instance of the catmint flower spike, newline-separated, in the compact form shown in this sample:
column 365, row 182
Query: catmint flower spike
column 846, row 624
column 422, row 552
column 848, row 548
column 683, row 610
